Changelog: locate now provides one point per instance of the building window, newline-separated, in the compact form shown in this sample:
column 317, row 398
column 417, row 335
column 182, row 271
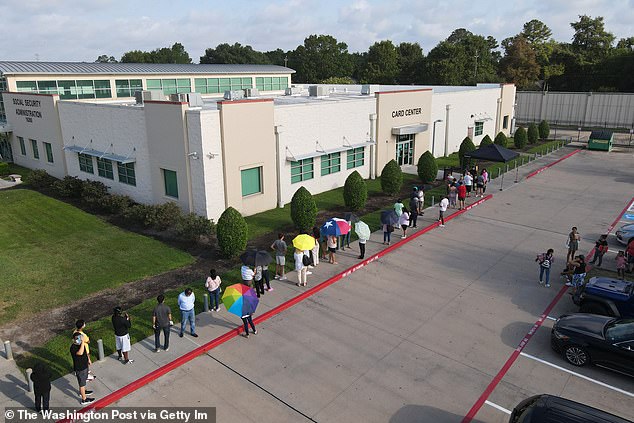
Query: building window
column 126, row 173
column 171, row 183
column 330, row 163
column 405, row 149
column 36, row 152
column 505, row 122
column 170, row 86
column 22, row 146
column 302, row 170
column 220, row 85
column 251, row 181
column 49, row 152
column 356, row 157
column 127, row 87
column 479, row 128
column 68, row 89
column 104, row 168
column 271, row 83
column 85, row 163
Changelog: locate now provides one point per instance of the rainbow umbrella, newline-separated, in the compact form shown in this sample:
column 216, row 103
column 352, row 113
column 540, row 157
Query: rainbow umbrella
column 335, row 227
column 240, row 299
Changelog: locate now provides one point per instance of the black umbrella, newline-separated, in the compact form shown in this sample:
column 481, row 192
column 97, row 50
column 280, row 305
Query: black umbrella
column 351, row 217
column 256, row 258
column 389, row 217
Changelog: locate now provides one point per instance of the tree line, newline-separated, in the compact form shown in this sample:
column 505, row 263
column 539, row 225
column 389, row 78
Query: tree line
column 531, row 59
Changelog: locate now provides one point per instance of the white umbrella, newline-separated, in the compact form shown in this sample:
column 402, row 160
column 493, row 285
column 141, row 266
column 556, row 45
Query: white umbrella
column 362, row 230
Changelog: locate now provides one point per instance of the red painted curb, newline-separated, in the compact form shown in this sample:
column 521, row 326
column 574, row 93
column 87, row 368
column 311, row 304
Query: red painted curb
column 540, row 170
column 144, row 380
column 500, row 375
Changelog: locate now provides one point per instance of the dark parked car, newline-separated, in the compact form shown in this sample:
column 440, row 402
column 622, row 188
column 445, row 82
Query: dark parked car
column 590, row 338
column 549, row 408
column 607, row 296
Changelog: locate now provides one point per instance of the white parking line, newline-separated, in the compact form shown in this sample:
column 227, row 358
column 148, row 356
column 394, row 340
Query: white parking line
column 499, row 407
column 551, row 318
column 614, row 388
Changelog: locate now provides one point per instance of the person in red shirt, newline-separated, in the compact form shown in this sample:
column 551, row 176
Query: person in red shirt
column 462, row 194
column 629, row 251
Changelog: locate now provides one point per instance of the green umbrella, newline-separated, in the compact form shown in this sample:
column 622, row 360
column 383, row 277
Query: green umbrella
column 362, row 230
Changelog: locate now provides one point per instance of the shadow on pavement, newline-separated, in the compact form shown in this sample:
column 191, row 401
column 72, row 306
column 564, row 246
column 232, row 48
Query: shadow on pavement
column 425, row 414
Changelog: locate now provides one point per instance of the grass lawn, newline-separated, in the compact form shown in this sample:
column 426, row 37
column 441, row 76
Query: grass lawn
column 52, row 253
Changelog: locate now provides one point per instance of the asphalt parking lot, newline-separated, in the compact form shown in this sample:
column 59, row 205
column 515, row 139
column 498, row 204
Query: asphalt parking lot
column 421, row 333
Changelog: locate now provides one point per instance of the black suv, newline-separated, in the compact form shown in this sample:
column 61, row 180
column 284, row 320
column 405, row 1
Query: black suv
column 549, row 408
column 606, row 296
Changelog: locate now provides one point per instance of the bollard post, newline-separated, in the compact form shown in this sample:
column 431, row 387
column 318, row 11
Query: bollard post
column 517, row 173
column 29, row 382
column 205, row 302
column 8, row 353
column 100, row 353
column 522, row 160
column 507, row 168
column 432, row 201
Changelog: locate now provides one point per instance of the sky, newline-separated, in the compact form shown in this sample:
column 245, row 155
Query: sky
column 82, row 30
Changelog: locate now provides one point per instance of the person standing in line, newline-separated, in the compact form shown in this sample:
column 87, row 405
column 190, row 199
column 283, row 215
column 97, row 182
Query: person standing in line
column 317, row 236
column 266, row 278
column 453, row 195
column 444, row 203
column 485, row 178
column 468, row 182
column 332, row 249
column 259, row 283
column 345, row 238
column 421, row 201
column 387, row 232
column 480, row 185
column 404, row 222
column 41, row 378
column 186, row 302
column 246, row 321
column 600, row 248
column 121, row 325
column 247, row 275
column 213, row 287
column 80, row 325
column 414, row 206
column 362, row 242
column 573, row 243
column 398, row 207
column 462, row 194
column 621, row 264
column 300, row 267
column 545, row 261
column 79, row 354
column 161, row 322
column 279, row 246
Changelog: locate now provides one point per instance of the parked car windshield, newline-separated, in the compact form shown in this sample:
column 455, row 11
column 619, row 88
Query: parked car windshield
column 620, row 331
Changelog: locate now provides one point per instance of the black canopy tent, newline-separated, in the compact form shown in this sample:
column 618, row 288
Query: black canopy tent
column 493, row 153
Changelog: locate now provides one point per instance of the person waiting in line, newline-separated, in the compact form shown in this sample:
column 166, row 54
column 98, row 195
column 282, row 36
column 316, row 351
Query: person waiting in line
column 573, row 243
column 258, row 282
column 414, row 207
column 332, row 249
column 315, row 251
column 213, row 287
column 41, row 378
column 398, row 207
column 403, row 221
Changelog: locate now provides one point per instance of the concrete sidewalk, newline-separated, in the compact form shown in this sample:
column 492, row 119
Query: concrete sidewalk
column 113, row 375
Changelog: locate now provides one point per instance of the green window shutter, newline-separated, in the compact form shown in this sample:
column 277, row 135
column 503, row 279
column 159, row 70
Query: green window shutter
column 49, row 152
column 171, row 183
column 251, row 181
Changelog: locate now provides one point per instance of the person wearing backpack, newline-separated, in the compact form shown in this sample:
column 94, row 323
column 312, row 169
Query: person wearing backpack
column 545, row 261
column 414, row 206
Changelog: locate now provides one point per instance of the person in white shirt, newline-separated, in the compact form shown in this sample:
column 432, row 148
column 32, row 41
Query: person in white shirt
column 468, row 181
column 247, row 275
column 186, row 300
column 444, row 203
column 300, row 267
column 403, row 220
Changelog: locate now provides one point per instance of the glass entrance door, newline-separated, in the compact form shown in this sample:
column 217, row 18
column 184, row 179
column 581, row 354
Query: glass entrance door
column 405, row 149
column 6, row 155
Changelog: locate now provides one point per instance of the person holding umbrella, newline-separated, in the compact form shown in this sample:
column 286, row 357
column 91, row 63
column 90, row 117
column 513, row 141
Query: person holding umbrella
column 389, row 218
column 363, row 232
column 332, row 229
column 315, row 250
column 301, row 266
column 257, row 260
column 242, row 301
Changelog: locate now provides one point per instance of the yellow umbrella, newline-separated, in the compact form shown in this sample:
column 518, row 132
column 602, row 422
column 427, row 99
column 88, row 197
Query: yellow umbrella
column 304, row 242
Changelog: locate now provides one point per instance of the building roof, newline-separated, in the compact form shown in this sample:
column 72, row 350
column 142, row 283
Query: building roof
column 55, row 68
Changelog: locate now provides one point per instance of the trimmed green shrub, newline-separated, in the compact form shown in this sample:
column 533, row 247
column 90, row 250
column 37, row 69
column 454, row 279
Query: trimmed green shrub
column 115, row 204
column 93, row 192
column 501, row 140
column 520, row 138
column 544, row 130
column 139, row 213
column 191, row 227
column 486, row 141
column 533, row 133
column 165, row 215
column 303, row 209
column 427, row 167
column 4, row 168
column 231, row 232
column 355, row 192
column 466, row 147
column 69, row 187
column 391, row 178
column 40, row 180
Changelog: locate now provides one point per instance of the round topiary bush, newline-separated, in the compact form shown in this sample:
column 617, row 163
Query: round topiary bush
column 427, row 168
column 486, row 141
column 501, row 140
column 391, row 178
column 520, row 138
column 466, row 147
column 231, row 232
column 355, row 192
column 533, row 133
column 544, row 130
column 303, row 209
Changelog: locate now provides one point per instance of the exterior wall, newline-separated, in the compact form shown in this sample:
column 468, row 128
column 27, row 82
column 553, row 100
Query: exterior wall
column 391, row 101
column 465, row 108
column 169, row 149
column 613, row 110
column 248, row 141
column 507, row 108
column 37, row 120
column 301, row 126
column 207, row 179
column 117, row 129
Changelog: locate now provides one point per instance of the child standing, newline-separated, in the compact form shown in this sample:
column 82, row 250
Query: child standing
column 332, row 248
column 621, row 262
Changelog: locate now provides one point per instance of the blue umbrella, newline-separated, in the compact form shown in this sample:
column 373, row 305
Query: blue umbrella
column 389, row 217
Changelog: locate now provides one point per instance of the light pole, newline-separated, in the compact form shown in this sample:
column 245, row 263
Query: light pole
column 433, row 137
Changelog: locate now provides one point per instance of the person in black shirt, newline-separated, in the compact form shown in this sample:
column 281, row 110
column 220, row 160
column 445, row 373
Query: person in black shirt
column 80, row 366
column 41, row 378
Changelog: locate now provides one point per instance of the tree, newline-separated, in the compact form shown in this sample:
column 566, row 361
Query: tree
column 501, row 140
column 544, row 130
column 355, row 192
column 591, row 41
column 410, row 62
column 231, row 232
column 519, row 138
column 338, row 80
column 104, row 58
column 533, row 133
column 427, row 168
column 277, row 57
column 519, row 64
column 235, row 54
column 319, row 58
column 382, row 66
column 137, row 56
column 486, row 140
column 391, row 178
column 174, row 54
column 466, row 147
column 303, row 209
